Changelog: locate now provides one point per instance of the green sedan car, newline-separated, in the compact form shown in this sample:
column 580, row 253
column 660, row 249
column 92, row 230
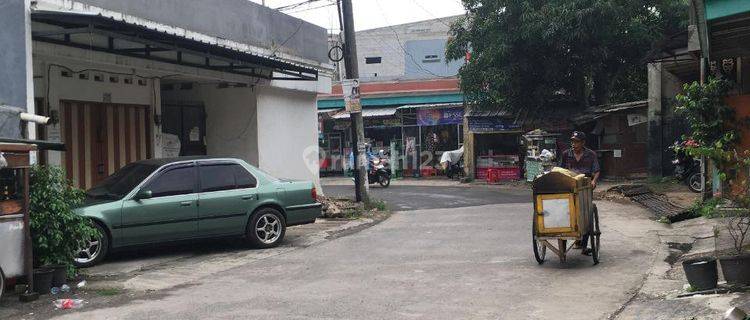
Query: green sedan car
column 164, row 200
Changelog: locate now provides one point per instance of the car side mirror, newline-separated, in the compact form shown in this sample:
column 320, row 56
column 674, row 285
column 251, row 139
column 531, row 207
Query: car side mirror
column 144, row 194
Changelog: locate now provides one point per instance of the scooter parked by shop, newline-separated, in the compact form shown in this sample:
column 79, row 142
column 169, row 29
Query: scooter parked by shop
column 453, row 163
column 687, row 168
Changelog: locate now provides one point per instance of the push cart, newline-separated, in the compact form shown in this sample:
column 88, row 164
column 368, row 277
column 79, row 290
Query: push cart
column 564, row 214
column 15, row 239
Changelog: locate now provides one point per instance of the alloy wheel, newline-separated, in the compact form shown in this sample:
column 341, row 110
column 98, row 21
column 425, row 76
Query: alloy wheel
column 90, row 251
column 268, row 228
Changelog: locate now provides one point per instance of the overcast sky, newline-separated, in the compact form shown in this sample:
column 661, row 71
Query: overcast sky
column 370, row 14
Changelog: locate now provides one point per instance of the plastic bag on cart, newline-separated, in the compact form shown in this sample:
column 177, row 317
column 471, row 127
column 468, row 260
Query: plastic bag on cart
column 547, row 155
column 569, row 173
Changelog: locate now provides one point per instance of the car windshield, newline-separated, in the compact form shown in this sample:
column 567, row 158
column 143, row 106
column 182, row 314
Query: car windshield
column 121, row 182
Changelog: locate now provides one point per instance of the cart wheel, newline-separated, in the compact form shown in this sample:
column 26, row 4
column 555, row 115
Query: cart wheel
column 540, row 250
column 595, row 235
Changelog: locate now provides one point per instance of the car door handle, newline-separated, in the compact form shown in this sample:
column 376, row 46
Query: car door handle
column 186, row 203
column 248, row 197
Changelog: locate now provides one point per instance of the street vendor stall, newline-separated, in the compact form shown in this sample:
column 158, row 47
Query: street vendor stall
column 563, row 211
column 496, row 146
column 541, row 152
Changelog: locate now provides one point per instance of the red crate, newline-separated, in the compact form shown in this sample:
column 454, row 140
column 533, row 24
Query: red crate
column 481, row 173
column 495, row 175
column 509, row 173
column 428, row 171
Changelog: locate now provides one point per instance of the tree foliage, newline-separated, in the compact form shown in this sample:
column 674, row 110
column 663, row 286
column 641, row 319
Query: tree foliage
column 716, row 135
column 526, row 54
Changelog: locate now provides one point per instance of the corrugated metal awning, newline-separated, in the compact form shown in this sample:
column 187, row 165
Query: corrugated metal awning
column 488, row 113
column 433, row 106
column 367, row 113
column 598, row 112
column 139, row 39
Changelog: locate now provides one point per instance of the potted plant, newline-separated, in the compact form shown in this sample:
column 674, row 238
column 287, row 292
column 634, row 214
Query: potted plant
column 735, row 264
column 701, row 273
column 57, row 232
column 715, row 135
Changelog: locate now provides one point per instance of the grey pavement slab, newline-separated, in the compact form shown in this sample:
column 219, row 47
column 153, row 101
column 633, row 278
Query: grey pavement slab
column 411, row 197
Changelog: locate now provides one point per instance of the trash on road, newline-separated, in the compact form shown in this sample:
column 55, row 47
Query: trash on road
column 68, row 303
column 81, row 284
column 65, row 288
column 54, row 290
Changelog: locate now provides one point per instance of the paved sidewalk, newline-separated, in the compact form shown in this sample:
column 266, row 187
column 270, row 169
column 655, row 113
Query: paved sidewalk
column 657, row 298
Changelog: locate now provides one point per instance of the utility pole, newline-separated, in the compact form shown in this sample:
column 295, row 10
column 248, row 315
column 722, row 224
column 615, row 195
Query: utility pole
column 358, row 131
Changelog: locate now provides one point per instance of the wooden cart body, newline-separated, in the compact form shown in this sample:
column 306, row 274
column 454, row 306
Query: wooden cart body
column 563, row 210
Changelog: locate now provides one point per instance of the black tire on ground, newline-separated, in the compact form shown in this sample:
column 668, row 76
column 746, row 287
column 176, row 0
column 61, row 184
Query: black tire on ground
column 694, row 182
column 260, row 219
column 2, row 283
column 103, row 243
column 595, row 236
column 540, row 251
column 384, row 181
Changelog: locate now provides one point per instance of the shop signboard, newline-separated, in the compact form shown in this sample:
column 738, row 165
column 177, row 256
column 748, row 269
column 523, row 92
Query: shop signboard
column 434, row 117
column 491, row 124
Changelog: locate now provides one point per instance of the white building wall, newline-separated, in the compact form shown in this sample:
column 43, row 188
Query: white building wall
column 390, row 43
column 231, row 118
column 272, row 125
column 288, row 133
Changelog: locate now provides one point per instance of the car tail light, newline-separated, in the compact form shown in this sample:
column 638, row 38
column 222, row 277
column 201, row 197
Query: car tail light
column 314, row 193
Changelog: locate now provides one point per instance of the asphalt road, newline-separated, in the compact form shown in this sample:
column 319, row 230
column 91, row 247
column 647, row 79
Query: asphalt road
column 449, row 263
column 406, row 198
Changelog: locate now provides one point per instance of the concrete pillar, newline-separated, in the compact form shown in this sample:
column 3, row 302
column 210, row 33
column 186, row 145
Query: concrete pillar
column 655, row 147
column 16, row 77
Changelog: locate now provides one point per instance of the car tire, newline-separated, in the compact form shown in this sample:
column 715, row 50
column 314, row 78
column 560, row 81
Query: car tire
column 98, row 254
column 2, row 283
column 266, row 228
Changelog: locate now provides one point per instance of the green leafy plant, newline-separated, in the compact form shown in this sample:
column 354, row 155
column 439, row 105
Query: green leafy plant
column 377, row 204
column 57, row 232
column 707, row 209
column 715, row 135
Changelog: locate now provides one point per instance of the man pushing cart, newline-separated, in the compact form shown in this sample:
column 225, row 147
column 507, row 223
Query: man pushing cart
column 563, row 204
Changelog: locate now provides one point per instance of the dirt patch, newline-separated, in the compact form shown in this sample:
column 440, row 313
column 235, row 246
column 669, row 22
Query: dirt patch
column 337, row 208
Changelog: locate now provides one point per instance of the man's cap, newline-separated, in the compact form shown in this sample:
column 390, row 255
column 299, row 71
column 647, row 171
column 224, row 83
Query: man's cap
column 578, row 135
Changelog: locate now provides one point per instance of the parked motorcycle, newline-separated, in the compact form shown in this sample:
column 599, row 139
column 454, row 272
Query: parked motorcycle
column 455, row 170
column 453, row 163
column 687, row 169
column 379, row 171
